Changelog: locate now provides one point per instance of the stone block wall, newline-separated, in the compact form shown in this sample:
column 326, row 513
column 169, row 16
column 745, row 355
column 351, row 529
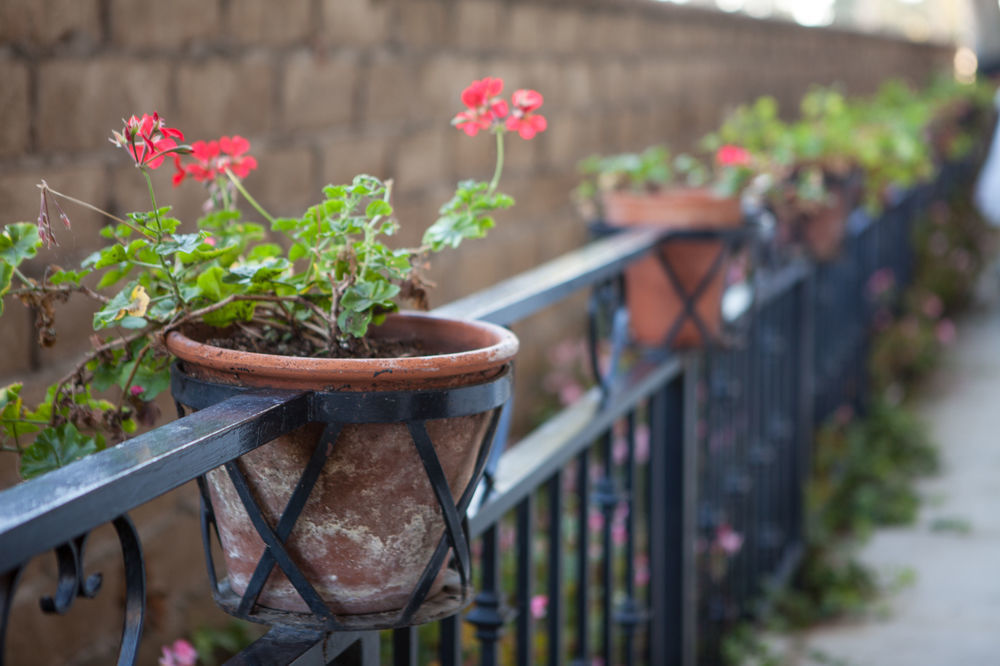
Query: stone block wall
column 325, row 89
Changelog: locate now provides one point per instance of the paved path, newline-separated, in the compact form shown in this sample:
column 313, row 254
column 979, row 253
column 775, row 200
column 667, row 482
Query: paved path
column 950, row 614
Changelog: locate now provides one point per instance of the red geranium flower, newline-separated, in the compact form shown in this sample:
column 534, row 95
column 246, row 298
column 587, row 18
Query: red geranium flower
column 484, row 106
column 523, row 118
column 148, row 140
column 730, row 155
column 212, row 158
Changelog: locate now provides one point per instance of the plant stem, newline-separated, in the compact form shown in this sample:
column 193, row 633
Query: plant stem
column 499, row 167
column 94, row 208
column 131, row 375
column 246, row 195
column 152, row 199
column 174, row 287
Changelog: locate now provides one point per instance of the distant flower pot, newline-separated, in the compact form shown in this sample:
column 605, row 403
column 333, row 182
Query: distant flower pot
column 822, row 232
column 656, row 310
column 372, row 523
column 819, row 228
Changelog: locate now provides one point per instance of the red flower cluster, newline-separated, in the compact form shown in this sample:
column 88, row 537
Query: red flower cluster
column 523, row 119
column 486, row 110
column 148, row 140
column 213, row 158
column 730, row 155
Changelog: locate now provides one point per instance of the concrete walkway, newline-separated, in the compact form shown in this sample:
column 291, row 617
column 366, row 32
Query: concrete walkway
column 949, row 612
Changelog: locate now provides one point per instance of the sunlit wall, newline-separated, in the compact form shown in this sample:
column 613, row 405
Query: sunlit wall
column 947, row 21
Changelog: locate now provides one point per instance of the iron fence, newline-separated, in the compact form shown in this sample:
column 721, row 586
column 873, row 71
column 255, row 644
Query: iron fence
column 632, row 526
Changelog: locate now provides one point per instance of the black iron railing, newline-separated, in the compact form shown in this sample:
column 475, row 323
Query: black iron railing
column 633, row 525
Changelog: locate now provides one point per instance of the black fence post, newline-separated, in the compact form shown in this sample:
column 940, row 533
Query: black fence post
column 671, row 502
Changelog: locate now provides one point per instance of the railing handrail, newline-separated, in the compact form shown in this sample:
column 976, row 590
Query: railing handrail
column 42, row 513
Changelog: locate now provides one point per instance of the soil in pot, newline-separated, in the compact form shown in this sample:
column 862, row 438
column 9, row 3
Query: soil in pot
column 372, row 522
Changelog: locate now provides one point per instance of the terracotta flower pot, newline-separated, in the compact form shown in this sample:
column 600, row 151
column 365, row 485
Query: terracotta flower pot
column 372, row 522
column 822, row 232
column 653, row 302
column 819, row 228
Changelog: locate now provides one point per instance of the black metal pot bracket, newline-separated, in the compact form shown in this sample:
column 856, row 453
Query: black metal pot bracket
column 731, row 241
column 335, row 409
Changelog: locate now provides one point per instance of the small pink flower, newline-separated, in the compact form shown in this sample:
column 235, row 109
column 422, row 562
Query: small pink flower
column 181, row 653
column 730, row 155
column 932, row 306
column 642, row 444
column 539, row 606
column 619, row 450
column 619, row 534
column 945, row 331
column 523, row 118
column 961, row 260
column 570, row 393
column 595, row 521
column 881, row 282
column 728, row 540
column 136, row 390
column 843, row 415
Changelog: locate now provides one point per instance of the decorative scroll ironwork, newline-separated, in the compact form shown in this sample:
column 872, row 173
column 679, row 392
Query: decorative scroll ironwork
column 414, row 408
column 73, row 583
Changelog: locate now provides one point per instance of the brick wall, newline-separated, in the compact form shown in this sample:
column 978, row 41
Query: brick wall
column 325, row 89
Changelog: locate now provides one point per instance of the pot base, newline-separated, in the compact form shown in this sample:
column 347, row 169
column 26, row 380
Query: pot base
column 451, row 599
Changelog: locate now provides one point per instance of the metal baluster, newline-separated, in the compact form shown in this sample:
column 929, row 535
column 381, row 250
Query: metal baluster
column 8, row 585
column 582, row 650
column 525, row 581
column 628, row 615
column 606, row 498
column 666, row 551
column 556, row 613
column 404, row 646
column 450, row 648
column 487, row 615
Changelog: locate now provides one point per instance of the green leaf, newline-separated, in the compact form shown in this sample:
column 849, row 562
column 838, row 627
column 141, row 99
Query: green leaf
column 229, row 313
column 115, row 274
column 152, row 376
column 132, row 323
column 6, row 275
column 61, row 276
column 354, row 323
column 378, row 208
column 286, row 224
column 54, row 448
column 211, row 284
column 109, row 314
column 264, row 251
column 109, row 256
column 19, row 241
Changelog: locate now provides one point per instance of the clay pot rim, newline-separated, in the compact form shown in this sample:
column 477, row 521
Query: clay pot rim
column 671, row 191
column 483, row 347
column 676, row 207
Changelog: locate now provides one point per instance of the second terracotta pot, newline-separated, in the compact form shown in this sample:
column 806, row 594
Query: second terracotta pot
column 653, row 302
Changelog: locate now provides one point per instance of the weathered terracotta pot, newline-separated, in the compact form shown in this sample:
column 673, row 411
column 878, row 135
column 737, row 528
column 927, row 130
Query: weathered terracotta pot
column 819, row 229
column 653, row 302
column 372, row 522
column 822, row 232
